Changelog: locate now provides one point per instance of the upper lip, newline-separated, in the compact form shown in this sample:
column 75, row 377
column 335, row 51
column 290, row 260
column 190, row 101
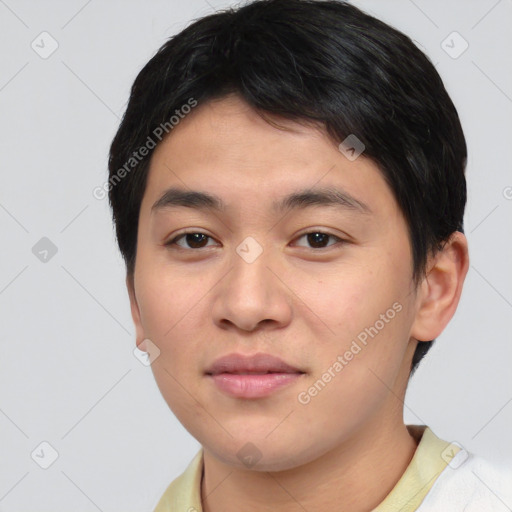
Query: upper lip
column 257, row 363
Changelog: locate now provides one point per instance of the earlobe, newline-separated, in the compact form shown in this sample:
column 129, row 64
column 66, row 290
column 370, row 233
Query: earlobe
column 441, row 288
column 134, row 307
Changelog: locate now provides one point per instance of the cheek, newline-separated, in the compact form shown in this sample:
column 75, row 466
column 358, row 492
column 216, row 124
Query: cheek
column 172, row 313
column 352, row 298
column 171, row 317
column 367, row 309
column 166, row 295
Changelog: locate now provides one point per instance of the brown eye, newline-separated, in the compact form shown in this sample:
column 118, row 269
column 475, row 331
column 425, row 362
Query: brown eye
column 196, row 240
column 192, row 240
column 319, row 240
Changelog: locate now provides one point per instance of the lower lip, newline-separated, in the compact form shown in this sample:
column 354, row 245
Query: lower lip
column 253, row 385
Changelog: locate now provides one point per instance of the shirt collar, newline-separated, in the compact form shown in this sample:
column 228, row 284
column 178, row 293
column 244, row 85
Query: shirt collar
column 430, row 459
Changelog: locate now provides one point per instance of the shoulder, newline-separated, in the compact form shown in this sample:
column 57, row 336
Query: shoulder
column 470, row 484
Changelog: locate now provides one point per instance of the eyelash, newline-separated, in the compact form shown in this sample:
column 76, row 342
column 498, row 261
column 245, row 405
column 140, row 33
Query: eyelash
column 174, row 241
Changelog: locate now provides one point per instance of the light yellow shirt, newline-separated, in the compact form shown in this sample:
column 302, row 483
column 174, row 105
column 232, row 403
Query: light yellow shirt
column 430, row 459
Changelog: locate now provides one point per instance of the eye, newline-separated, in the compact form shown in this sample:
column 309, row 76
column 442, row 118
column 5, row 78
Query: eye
column 193, row 239
column 198, row 240
column 319, row 239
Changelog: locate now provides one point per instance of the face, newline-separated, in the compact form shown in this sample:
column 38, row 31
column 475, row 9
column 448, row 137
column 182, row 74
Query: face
column 255, row 240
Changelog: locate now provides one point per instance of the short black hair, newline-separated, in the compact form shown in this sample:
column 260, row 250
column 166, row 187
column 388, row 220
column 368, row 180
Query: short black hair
column 324, row 61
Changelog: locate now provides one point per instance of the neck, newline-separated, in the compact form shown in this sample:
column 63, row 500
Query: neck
column 354, row 477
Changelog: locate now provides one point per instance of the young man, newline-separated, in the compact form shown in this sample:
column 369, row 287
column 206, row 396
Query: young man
column 288, row 191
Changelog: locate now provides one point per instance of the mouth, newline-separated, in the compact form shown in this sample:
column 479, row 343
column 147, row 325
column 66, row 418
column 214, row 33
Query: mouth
column 241, row 364
column 249, row 372
column 255, row 376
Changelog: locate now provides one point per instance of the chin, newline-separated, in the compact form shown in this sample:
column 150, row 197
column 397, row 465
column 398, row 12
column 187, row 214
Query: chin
column 265, row 455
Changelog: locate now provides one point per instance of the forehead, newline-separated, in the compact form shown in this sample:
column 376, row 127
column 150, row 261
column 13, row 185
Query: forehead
column 225, row 147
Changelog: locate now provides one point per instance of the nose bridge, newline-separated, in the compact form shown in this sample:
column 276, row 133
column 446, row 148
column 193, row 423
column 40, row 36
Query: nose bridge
column 249, row 273
column 251, row 292
column 250, row 250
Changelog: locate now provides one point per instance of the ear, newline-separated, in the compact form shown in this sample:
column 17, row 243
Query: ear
column 140, row 339
column 440, row 290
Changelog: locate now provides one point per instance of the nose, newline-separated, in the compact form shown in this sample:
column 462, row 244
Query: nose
column 252, row 294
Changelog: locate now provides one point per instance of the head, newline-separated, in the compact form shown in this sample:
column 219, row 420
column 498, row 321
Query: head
column 316, row 161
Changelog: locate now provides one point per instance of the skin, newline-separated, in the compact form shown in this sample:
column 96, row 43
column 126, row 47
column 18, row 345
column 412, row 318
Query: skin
column 347, row 447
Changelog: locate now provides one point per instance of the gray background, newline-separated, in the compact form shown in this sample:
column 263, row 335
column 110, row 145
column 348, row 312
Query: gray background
column 68, row 375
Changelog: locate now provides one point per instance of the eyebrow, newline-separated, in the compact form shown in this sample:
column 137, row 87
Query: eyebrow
column 326, row 196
